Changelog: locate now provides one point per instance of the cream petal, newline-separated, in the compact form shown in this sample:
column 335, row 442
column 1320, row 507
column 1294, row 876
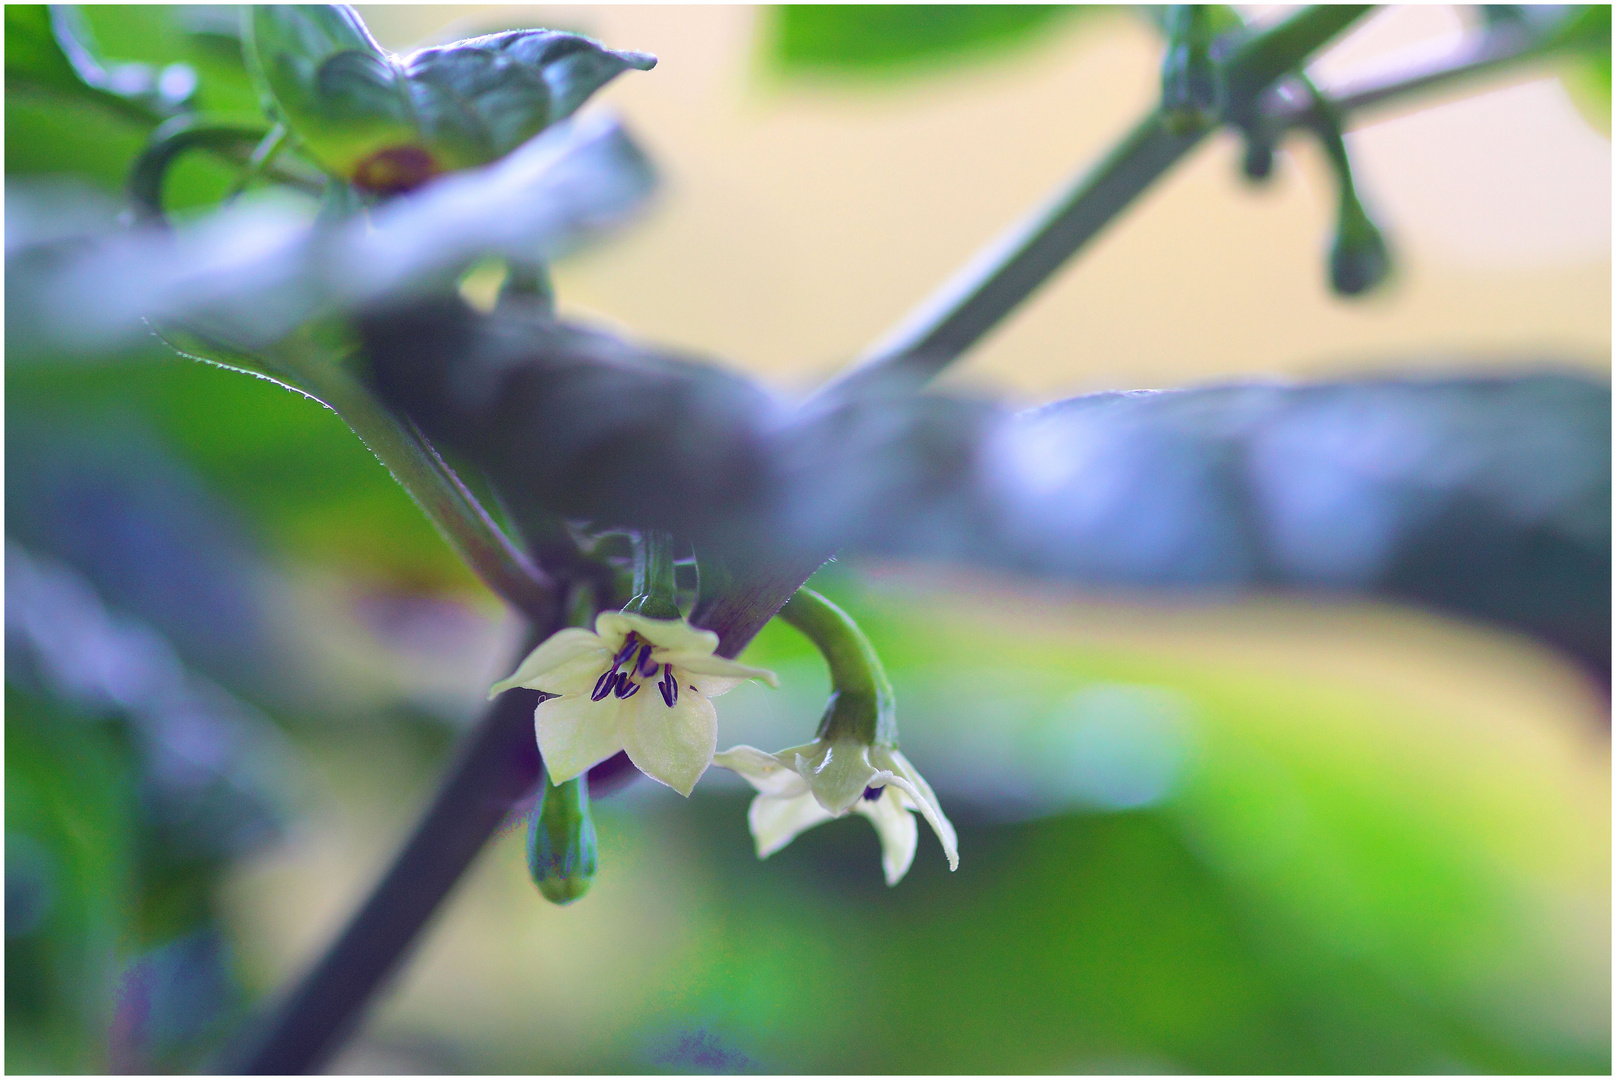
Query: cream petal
column 574, row 678
column 775, row 822
column 557, row 649
column 896, row 827
column 674, row 635
column 765, row 772
column 671, row 744
column 575, row 733
column 714, row 671
column 910, row 781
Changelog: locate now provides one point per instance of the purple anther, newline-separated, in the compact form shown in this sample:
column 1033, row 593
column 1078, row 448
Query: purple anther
column 624, row 681
column 645, row 659
column 669, row 685
column 628, row 650
column 604, row 685
column 872, row 793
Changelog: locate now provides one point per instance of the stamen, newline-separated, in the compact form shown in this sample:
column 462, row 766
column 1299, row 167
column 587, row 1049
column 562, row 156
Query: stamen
column 629, row 644
column 604, row 685
column 669, row 686
column 872, row 793
column 624, row 681
column 645, row 656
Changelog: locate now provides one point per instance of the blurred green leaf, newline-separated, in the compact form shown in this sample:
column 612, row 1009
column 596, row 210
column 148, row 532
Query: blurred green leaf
column 1587, row 74
column 69, row 884
column 309, row 490
column 880, row 39
column 43, row 58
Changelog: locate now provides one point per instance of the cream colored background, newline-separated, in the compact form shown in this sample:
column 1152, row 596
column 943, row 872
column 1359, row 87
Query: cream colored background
column 799, row 222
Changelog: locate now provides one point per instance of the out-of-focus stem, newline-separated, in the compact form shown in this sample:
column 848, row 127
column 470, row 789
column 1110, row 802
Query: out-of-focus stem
column 965, row 309
column 1485, row 53
column 1013, row 267
column 498, row 766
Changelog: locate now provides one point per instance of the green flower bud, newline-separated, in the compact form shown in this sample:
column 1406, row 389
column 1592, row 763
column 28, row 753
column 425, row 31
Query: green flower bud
column 1359, row 259
column 561, row 853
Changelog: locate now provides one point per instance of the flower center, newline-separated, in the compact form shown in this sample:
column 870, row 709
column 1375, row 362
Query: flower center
column 618, row 680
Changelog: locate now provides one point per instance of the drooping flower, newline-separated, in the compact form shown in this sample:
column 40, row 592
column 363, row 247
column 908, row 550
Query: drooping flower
column 827, row 778
column 636, row 684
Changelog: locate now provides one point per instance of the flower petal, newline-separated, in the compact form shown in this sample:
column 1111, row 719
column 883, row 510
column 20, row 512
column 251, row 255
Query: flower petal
column 896, row 827
column 716, row 671
column 763, row 771
column 575, row 733
column 914, row 785
column 674, row 635
column 554, row 651
column 775, row 822
column 673, row 744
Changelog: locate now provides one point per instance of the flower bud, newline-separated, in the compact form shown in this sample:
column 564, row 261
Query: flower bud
column 1359, row 259
column 561, row 853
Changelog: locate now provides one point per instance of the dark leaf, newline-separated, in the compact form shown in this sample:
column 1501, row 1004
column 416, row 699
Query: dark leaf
column 1489, row 497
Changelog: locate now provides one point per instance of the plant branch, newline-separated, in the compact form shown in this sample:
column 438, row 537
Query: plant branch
column 499, row 765
column 1483, row 54
column 1013, row 267
column 965, row 309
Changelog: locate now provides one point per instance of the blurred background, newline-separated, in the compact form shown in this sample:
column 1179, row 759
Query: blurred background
column 1236, row 836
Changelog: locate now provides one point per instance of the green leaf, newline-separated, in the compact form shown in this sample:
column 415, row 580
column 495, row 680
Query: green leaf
column 389, row 123
column 880, row 39
column 330, row 81
column 46, row 52
column 1587, row 75
column 479, row 99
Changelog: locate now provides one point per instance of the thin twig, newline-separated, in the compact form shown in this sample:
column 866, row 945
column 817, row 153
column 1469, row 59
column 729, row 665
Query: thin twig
column 1484, row 53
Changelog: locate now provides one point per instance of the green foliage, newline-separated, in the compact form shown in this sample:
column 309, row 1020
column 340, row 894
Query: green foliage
column 70, row 890
column 388, row 123
column 882, row 39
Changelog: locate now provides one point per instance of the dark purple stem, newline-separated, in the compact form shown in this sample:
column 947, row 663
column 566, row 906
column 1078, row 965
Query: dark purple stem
column 498, row 766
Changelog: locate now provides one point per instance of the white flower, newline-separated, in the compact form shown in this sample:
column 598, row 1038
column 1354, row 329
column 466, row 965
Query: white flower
column 636, row 684
column 806, row 785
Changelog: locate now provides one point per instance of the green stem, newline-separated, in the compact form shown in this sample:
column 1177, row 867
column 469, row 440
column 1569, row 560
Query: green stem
column 1493, row 50
column 169, row 141
column 862, row 706
column 655, row 584
column 1012, row 268
column 433, row 485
